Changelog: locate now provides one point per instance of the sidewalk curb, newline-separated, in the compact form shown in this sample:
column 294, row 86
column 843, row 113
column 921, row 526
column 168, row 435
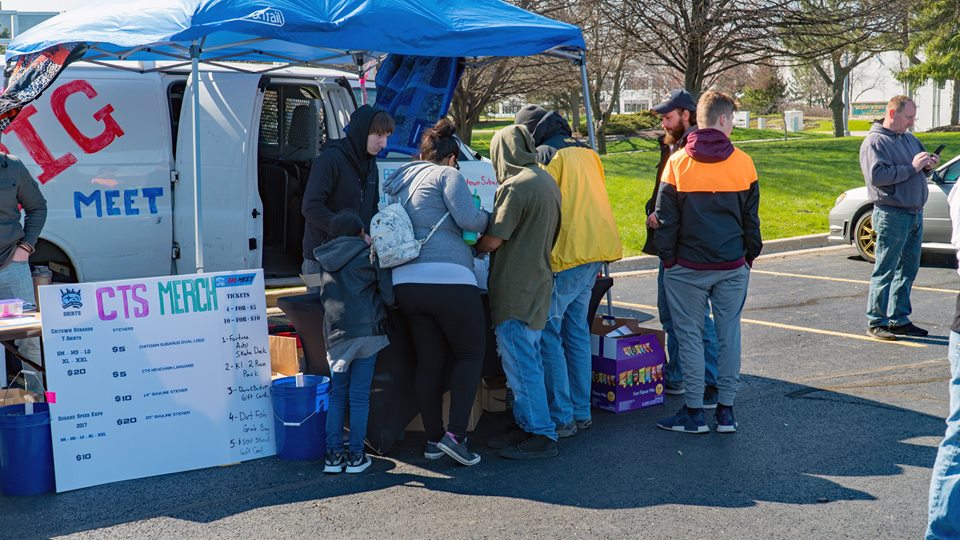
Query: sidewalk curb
column 780, row 247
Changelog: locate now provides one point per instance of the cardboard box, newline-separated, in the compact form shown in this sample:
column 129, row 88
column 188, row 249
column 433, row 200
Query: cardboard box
column 285, row 355
column 493, row 394
column 475, row 413
column 628, row 362
column 16, row 396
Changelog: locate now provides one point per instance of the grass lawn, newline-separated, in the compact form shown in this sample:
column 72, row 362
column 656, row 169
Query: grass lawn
column 799, row 182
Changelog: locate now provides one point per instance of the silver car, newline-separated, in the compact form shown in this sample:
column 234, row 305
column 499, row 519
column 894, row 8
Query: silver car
column 851, row 220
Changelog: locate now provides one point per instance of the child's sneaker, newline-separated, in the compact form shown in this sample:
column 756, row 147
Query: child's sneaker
column 726, row 423
column 334, row 462
column 685, row 422
column 458, row 450
column 432, row 451
column 357, row 463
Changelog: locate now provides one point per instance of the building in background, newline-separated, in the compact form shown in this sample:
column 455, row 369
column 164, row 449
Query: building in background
column 873, row 83
column 13, row 23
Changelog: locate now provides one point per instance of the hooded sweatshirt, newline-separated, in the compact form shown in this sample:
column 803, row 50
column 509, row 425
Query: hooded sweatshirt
column 526, row 215
column 886, row 159
column 438, row 189
column 353, row 291
column 708, row 205
column 343, row 176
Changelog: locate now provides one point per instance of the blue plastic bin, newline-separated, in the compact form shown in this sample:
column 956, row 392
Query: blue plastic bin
column 26, row 450
column 300, row 417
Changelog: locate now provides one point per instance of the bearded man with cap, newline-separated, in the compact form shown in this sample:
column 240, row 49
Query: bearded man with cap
column 678, row 117
column 588, row 238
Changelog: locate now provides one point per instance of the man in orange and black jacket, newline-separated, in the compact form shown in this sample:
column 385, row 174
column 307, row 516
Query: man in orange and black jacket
column 708, row 237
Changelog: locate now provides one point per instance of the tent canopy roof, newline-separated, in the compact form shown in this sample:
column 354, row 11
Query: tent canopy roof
column 301, row 31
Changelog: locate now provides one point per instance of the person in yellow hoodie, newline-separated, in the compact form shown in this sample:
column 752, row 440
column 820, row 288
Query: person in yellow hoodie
column 588, row 238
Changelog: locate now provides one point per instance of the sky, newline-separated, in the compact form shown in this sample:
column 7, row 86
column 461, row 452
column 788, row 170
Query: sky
column 43, row 5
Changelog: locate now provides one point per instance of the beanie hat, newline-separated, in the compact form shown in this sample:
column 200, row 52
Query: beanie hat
column 529, row 116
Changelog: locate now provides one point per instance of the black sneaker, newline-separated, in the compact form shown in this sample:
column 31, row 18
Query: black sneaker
column 357, row 463
column 534, row 447
column 458, row 450
column 726, row 423
column 584, row 424
column 908, row 329
column 710, row 395
column 431, row 451
column 880, row 332
column 513, row 435
column 567, row 430
column 334, row 462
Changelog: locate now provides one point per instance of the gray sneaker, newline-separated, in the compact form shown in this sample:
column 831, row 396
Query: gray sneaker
column 432, row 451
column 584, row 424
column 458, row 450
column 673, row 389
column 567, row 430
column 710, row 395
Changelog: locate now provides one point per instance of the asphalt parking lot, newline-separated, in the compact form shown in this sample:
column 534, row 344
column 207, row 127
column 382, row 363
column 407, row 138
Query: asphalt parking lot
column 838, row 433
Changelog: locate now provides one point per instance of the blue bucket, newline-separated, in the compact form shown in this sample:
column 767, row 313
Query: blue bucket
column 26, row 450
column 300, row 416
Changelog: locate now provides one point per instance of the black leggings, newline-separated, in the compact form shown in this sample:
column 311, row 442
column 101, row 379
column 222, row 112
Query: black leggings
column 447, row 326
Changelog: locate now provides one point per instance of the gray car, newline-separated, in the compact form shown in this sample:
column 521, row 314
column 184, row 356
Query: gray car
column 851, row 220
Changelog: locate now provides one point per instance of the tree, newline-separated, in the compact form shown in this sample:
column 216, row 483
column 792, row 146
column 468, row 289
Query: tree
column 808, row 87
column 936, row 27
column 850, row 33
column 767, row 92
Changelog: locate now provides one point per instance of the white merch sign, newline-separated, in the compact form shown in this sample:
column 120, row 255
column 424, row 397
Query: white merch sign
column 156, row 375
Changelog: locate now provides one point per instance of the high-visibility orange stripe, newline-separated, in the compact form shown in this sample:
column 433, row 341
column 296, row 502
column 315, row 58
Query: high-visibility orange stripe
column 733, row 174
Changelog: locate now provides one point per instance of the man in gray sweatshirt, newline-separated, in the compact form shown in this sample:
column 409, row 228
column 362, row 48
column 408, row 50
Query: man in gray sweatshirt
column 19, row 190
column 895, row 166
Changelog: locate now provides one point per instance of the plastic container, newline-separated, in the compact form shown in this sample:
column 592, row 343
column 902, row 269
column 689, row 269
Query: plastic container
column 300, row 416
column 470, row 237
column 26, row 450
column 41, row 276
column 11, row 308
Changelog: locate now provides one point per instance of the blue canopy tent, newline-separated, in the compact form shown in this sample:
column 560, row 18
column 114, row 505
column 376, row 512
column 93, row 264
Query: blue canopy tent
column 298, row 32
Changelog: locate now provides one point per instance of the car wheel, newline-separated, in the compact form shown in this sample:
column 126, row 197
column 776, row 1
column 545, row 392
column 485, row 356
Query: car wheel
column 864, row 237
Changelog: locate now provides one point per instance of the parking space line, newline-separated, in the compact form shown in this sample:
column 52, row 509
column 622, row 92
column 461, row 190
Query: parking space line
column 798, row 328
column 847, row 280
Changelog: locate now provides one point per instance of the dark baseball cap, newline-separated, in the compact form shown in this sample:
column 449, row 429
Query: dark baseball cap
column 678, row 99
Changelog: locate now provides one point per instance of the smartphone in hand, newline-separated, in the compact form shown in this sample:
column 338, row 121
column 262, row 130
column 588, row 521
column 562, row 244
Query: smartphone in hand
column 939, row 149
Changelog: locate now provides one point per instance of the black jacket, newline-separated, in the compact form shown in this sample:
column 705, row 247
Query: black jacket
column 650, row 245
column 353, row 290
column 343, row 176
column 552, row 134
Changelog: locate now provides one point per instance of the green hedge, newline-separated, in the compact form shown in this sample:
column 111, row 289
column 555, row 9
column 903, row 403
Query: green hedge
column 633, row 123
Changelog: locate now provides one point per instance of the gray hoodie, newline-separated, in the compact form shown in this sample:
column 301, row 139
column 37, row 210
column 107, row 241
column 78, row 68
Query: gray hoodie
column 443, row 189
column 886, row 159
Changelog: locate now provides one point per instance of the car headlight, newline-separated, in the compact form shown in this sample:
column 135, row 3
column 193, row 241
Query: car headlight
column 840, row 198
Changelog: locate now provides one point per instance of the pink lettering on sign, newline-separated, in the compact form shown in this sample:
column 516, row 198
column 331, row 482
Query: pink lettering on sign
column 111, row 130
column 24, row 130
column 133, row 301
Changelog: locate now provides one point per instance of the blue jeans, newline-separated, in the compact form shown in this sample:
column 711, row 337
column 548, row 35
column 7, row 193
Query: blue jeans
column 16, row 282
column 673, row 373
column 898, row 259
column 519, row 347
column 355, row 382
column 565, row 345
column 944, row 509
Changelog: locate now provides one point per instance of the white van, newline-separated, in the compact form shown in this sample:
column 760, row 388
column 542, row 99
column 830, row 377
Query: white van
column 115, row 164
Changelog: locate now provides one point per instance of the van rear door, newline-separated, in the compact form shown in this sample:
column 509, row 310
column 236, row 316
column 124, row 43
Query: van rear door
column 232, row 213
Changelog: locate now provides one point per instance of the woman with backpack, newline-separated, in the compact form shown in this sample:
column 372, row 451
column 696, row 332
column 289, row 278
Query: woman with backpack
column 437, row 292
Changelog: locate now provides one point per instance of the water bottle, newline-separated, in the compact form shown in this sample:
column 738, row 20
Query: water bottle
column 470, row 237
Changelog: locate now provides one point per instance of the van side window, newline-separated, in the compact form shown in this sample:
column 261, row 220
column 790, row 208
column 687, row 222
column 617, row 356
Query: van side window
column 175, row 99
column 292, row 123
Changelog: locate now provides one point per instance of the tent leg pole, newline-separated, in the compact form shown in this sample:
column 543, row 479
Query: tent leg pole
column 195, row 118
column 588, row 110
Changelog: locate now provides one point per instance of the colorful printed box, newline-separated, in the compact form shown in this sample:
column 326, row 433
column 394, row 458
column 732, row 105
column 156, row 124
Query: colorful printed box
column 628, row 363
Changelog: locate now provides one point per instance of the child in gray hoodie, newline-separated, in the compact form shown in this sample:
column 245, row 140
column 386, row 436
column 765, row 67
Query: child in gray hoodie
column 354, row 291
